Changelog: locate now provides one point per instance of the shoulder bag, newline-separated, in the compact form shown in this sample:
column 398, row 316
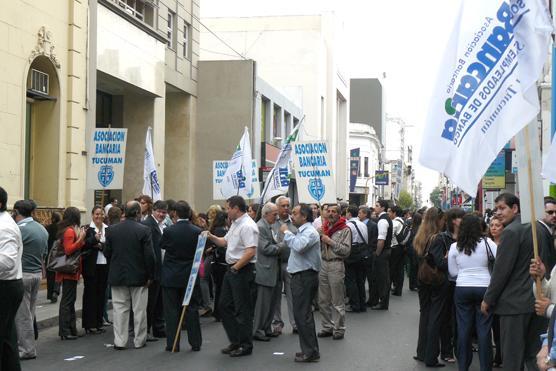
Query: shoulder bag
column 428, row 272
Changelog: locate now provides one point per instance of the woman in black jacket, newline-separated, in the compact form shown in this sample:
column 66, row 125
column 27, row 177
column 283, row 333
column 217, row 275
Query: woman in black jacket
column 219, row 228
column 95, row 274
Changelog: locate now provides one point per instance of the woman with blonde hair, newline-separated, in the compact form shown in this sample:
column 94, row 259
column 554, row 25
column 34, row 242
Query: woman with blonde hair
column 428, row 233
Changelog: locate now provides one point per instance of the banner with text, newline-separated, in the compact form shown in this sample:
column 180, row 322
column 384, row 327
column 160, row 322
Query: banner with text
column 354, row 160
column 106, row 159
column 201, row 242
column 313, row 172
column 495, row 176
column 382, row 177
column 218, row 171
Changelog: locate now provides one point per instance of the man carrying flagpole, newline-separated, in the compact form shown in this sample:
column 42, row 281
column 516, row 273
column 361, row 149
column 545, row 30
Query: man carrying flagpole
column 151, row 186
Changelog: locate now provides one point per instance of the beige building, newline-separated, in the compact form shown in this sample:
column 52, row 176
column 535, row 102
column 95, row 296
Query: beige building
column 44, row 101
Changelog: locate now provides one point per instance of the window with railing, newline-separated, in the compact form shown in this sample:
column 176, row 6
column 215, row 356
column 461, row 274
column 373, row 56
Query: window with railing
column 143, row 10
column 186, row 42
column 170, row 29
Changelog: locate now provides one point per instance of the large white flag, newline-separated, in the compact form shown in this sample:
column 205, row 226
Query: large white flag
column 239, row 174
column 151, row 187
column 549, row 168
column 486, row 90
column 278, row 180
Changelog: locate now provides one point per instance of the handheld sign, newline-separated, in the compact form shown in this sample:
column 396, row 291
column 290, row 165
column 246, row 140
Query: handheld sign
column 313, row 172
column 195, row 269
column 105, row 169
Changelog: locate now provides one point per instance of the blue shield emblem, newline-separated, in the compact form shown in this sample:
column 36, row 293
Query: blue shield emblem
column 316, row 188
column 105, row 175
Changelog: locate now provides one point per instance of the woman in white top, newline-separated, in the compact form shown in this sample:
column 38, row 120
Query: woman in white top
column 468, row 261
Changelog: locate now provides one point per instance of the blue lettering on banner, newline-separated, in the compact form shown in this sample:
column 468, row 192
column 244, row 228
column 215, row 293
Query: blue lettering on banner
column 283, row 176
column 105, row 175
column 316, row 188
column 493, row 62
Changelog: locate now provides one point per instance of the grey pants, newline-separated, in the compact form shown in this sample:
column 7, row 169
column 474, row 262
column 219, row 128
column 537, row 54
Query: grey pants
column 26, row 314
column 286, row 280
column 332, row 292
column 520, row 337
column 266, row 302
column 123, row 299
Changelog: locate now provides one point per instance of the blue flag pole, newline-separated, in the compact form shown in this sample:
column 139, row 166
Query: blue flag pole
column 552, row 188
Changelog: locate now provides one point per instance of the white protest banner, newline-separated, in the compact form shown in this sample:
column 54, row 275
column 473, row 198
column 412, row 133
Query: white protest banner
column 201, row 242
column 238, row 175
column 313, row 172
column 106, row 159
column 218, row 171
column 486, row 91
column 151, row 186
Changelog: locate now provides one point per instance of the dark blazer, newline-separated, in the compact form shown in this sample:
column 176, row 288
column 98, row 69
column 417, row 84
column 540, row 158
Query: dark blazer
column 511, row 287
column 129, row 250
column 267, row 265
column 548, row 255
column 372, row 232
column 90, row 253
column 179, row 242
column 156, row 236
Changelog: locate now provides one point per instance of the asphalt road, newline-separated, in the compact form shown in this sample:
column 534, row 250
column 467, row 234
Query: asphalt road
column 383, row 340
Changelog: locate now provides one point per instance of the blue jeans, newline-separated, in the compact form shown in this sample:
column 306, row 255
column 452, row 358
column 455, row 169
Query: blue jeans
column 468, row 313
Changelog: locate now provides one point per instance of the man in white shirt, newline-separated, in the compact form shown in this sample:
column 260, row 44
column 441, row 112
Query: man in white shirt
column 380, row 290
column 322, row 218
column 355, row 262
column 11, row 285
column 236, row 300
column 398, row 251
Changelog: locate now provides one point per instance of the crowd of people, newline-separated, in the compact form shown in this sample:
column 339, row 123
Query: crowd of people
column 474, row 275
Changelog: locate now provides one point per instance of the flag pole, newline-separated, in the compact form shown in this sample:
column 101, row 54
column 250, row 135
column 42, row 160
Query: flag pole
column 533, row 208
column 552, row 187
column 176, row 338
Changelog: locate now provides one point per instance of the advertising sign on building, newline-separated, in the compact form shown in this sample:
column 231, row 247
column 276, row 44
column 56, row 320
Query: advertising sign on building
column 382, row 177
column 106, row 160
column 495, row 176
column 354, row 161
column 313, row 172
column 218, row 171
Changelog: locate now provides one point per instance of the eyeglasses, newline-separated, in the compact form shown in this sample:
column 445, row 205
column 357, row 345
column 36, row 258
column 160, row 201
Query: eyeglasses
column 550, row 212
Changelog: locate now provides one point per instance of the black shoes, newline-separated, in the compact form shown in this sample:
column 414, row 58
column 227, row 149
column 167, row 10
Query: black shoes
column 151, row 338
column 379, row 307
column 119, row 348
column 229, row 349
column 324, row 334
column 303, row 358
column 261, row 338
column 240, row 352
column 68, row 337
column 337, row 336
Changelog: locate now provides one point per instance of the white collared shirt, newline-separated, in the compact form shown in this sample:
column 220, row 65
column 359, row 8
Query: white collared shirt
column 382, row 227
column 101, row 259
column 243, row 233
column 11, row 249
column 355, row 237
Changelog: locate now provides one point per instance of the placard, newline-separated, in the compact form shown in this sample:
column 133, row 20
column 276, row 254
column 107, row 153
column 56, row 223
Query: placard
column 106, row 159
column 382, row 177
column 201, row 242
column 313, row 172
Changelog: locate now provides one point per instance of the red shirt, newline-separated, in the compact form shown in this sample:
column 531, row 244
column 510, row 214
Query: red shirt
column 71, row 245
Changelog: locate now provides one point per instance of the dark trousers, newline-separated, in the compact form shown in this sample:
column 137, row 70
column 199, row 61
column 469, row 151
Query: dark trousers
column 94, row 296
column 380, row 288
column 496, row 338
column 304, row 287
column 51, row 285
column 397, row 258
column 448, row 332
column 172, row 298
column 355, row 285
column 218, row 270
column 468, row 314
column 236, row 306
column 155, row 313
column 432, row 302
column 66, row 313
column 520, row 336
column 10, row 298
column 369, row 262
column 413, row 268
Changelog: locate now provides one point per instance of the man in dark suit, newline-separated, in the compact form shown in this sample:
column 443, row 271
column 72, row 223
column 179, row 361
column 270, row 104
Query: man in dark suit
column 179, row 242
column 130, row 252
column 267, row 275
column 509, row 293
column 155, row 314
column 546, row 228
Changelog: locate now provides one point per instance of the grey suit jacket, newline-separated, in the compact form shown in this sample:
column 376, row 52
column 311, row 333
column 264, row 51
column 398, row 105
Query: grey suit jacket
column 267, row 265
column 510, row 291
column 284, row 249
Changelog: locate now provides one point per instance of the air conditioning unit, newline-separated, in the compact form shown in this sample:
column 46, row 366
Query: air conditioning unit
column 39, row 82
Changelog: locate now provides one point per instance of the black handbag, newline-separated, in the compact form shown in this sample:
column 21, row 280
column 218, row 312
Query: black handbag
column 59, row 262
column 490, row 256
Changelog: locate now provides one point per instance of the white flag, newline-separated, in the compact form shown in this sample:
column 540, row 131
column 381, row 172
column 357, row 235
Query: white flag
column 278, row 180
column 549, row 168
column 486, row 91
column 239, row 174
column 151, row 187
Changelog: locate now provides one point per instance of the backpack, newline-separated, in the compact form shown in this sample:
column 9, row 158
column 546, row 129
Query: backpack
column 405, row 234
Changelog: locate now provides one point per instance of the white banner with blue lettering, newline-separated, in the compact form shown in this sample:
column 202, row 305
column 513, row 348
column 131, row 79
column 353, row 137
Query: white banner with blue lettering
column 313, row 172
column 218, row 172
column 106, row 159
column 201, row 242
column 486, row 91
